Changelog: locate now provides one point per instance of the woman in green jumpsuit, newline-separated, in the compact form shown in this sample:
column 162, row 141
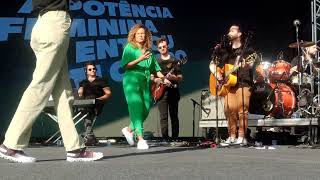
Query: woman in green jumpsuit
column 139, row 63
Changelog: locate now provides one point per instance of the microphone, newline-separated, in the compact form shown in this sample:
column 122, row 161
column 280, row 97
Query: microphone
column 194, row 101
column 222, row 43
column 225, row 41
column 296, row 22
column 206, row 110
column 149, row 50
column 250, row 34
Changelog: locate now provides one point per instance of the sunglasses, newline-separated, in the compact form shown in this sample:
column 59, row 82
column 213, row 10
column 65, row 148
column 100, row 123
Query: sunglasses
column 91, row 69
column 162, row 47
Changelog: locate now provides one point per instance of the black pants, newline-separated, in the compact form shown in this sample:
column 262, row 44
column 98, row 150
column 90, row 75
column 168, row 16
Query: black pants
column 88, row 121
column 169, row 103
column 88, row 124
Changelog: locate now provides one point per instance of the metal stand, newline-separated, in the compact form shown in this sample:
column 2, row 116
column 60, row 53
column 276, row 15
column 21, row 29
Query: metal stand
column 300, row 76
column 194, row 103
column 214, row 61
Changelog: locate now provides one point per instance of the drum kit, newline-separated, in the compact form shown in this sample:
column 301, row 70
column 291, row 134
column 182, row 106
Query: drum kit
column 279, row 93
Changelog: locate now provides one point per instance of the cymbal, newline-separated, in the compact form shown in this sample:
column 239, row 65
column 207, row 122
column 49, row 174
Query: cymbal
column 301, row 44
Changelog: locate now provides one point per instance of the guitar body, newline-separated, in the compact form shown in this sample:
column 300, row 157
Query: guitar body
column 157, row 91
column 223, row 87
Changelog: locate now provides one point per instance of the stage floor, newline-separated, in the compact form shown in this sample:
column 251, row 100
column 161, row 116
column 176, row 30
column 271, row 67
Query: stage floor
column 122, row 162
column 267, row 122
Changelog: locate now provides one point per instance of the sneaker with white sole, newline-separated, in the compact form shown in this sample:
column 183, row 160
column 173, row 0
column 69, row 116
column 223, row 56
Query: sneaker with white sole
column 241, row 141
column 15, row 155
column 128, row 135
column 142, row 144
column 83, row 155
column 228, row 141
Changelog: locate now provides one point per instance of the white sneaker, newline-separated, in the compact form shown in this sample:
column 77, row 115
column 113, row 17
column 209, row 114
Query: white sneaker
column 242, row 141
column 228, row 141
column 128, row 135
column 245, row 142
column 142, row 144
column 15, row 155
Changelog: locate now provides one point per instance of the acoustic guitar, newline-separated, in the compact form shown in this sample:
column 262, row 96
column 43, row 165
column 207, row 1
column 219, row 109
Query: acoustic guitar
column 157, row 90
column 222, row 87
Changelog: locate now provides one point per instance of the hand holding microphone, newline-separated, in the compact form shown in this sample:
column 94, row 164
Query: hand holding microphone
column 146, row 55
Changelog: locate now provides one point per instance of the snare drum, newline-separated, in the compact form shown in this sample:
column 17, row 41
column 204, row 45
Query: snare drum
column 280, row 71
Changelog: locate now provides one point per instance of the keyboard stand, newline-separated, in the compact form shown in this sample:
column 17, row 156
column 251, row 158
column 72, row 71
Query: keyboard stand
column 80, row 114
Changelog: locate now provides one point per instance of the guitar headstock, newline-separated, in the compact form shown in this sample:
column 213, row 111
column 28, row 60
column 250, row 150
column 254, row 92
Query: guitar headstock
column 182, row 61
column 251, row 58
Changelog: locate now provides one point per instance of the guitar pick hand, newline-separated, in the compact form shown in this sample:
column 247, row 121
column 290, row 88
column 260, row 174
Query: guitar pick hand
column 167, row 82
column 219, row 77
column 158, row 80
column 171, row 77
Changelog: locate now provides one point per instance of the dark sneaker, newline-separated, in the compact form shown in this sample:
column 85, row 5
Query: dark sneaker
column 15, row 155
column 83, row 155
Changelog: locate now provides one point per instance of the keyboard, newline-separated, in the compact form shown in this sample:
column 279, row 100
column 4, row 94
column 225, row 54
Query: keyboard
column 76, row 103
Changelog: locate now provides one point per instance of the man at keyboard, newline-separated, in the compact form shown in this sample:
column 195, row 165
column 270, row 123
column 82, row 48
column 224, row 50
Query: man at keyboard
column 93, row 87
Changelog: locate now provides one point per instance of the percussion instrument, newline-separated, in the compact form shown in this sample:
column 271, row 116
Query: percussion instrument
column 263, row 71
column 276, row 100
column 280, row 71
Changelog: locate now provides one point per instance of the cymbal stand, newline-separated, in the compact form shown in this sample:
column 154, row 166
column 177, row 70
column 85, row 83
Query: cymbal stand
column 316, row 99
column 312, row 87
column 299, row 60
column 302, row 92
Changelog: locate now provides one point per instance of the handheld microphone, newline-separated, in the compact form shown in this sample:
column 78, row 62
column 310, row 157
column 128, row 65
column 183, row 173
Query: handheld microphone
column 149, row 50
column 225, row 41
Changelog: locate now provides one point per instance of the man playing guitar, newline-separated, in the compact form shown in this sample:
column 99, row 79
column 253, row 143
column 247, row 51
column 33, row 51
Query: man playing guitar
column 169, row 100
column 236, row 101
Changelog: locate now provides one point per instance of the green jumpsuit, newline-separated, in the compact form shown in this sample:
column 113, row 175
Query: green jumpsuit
column 136, row 86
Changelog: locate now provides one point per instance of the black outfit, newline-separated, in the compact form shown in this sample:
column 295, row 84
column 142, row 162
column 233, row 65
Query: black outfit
column 43, row 6
column 305, row 65
column 92, row 90
column 170, row 99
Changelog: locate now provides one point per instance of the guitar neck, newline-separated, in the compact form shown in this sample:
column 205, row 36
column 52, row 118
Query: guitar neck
column 236, row 67
column 232, row 71
column 171, row 71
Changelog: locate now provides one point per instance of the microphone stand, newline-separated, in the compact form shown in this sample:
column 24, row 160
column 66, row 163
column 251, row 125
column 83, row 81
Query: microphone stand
column 299, row 60
column 214, row 58
column 241, row 82
column 194, row 102
column 217, row 139
column 312, row 105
